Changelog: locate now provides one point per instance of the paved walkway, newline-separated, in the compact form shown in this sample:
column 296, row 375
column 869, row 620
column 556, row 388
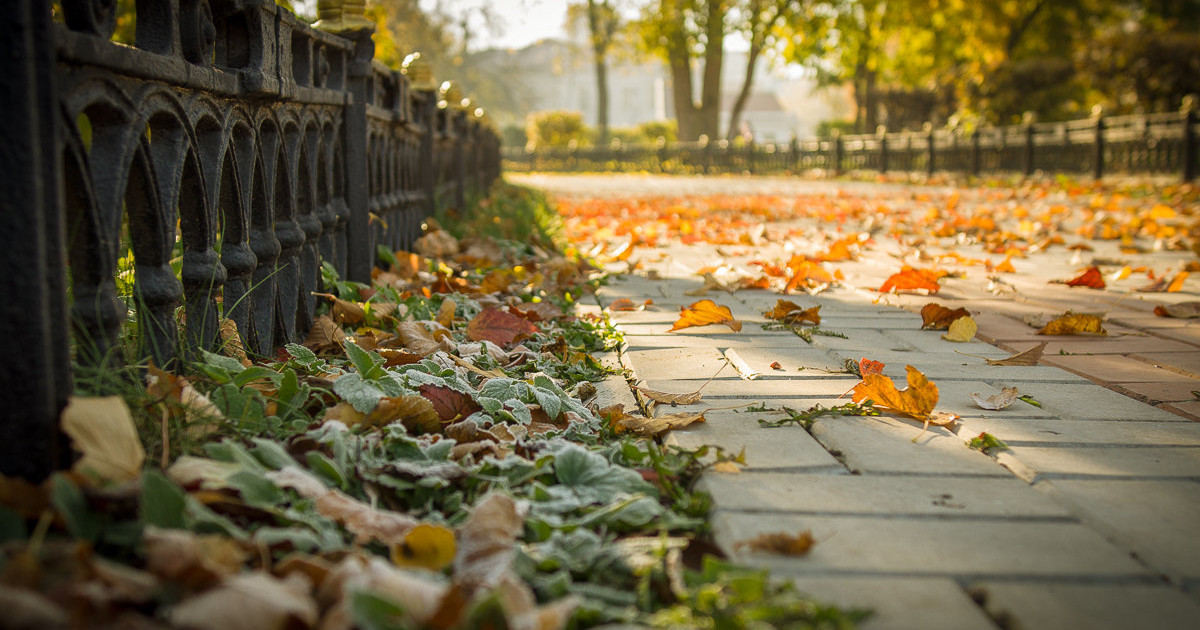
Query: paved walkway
column 1091, row 519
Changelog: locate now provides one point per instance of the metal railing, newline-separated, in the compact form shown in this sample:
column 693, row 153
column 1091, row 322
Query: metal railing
column 217, row 162
column 1160, row 144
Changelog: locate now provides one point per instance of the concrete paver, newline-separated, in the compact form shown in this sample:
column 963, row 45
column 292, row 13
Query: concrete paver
column 1087, row 521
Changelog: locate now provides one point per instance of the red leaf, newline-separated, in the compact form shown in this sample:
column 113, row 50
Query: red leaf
column 867, row 366
column 499, row 327
column 1091, row 278
column 451, row 405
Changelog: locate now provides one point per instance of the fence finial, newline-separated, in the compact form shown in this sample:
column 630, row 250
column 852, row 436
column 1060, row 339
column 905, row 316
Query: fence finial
column 343, row 16
column 419, row 72
column 1188, row 104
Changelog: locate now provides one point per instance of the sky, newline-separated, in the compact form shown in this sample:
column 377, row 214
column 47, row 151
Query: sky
column 519, row 22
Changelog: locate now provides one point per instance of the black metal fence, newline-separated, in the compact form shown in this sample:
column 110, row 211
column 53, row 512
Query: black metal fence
column 1160, row 144
column 217, row 163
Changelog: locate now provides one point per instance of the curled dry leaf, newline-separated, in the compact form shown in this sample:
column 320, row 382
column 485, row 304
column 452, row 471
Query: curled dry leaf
column 789, row 312
column 416, row 337
column 102, row 431
column 499, row 327
column 915, row 401
column 1028, row 357
column 362, row 520
column 345, row 312
column 231, row 342
column 670, row 399
column 868, row 366
column 487, row 541
column 1074, row 324
column 651, row 427
column 194, row 561
column 325, row 336
column 1165, row 285
column 934, row 316
column 780, row 543
column 436, row 244
column 449, row 404
column 703, row 313
column 253, row 601
column 626, row 304
column 961, row 330
column 996, row 402
column 1182, row 310
column 806, row 273
column 1090, row 278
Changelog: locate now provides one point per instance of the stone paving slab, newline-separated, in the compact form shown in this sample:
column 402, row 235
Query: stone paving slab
column 681, row 363
column 788, row 447
column 900, row 603
column 760, row 389
column 885, row 445
column 1043, row 606
column 1184, row 362
column 1110, row 461
column 1158, row 520
column 945, row 497
column 866, row 546
column 1090, row 402
column 1018, row 430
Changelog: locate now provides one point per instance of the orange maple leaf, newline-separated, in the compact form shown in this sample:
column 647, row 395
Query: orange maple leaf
column 807, row 272
column 912, row 279
column 915, row 401
column 1091, row 278
column 703, row 313
column 934, row 316
column 499, row 327
column 869, row 366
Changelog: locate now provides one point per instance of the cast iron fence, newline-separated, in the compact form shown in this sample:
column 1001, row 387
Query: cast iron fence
column 1160, row 144
column 217, row 162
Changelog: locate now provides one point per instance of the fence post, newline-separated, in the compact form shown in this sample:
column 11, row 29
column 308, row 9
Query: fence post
column 1188, row 114
column 359, row 258
column 1098, row 155
column 930, row 150
column 881, row 133
column 36, row 375
column 976, row 152
column 420, row 77
column 837, row 153
column 1028, row 119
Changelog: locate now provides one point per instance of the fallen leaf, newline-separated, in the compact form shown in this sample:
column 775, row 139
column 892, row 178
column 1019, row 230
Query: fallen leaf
column 325, row 336
column 1074, row 324
column 912, row 279
column 252, row 601
column 1163, row 285
column 538, row 311
column 727, row 467
column 416, row 337
column 867, row 366
column 1181, row 310
column 626, row 304
column 194, row 561
column 789, row 312
column 776, row 365
column 651, row 427
column 446, row 312
column 426, row 546
column 1028, row 357
column 364, row 521
column 487, row 541
column 1090, row 278
column 343, row 311
column 962, row 330
column 916, row 401
column 934, row 316
column 987, row 443
column 670, row 399
column 102, row 431
column 417, row 413
column 499, row 327
column 806, row 272
column 780, row 543
column 996, row 402
column 231, row 342
column 436, row 244
column 703, row 313
column 449, row 404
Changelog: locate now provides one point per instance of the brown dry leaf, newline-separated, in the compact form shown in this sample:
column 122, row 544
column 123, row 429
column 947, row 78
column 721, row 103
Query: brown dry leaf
column 362, row 520
column 426, row 546
column 651, row 427
column 780, row 543
column 934, row 316
column 201, row 473
column 450, row 405
column 626, row 304
column 417, row 594
column 962, row 330
column 445, row 314
column 415, row 337
column 436, row 244
column 417, row 413
column 499, row 327
column 996, row 402
column 789, row 312
column 487, row 541
column 1181, row 310
column 916, row 401
column 703, row 313
column 1028, row 357
column 345, row 312
column 194, row 409
column 325, row 336
column 1165, row 285
column 670, row 399
column 24, row 498
column 102, row 431
column 253, row 601
column 25, row 609
column 231, row 342
column 538, row 311
column 194, row 561
column 1074, row 324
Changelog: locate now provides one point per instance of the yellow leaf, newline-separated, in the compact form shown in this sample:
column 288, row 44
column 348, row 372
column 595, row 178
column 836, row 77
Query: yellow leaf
column 703, row 313
column 1074, row 324
column 726, row 467
column 962, row 330
column 916, row 401
column 426, row 546
column 102, row 430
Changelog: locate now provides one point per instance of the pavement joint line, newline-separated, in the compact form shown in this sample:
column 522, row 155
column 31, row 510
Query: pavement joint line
column 1112, row 445
column 1054, row 476
column 912, row 516
column 965, row 580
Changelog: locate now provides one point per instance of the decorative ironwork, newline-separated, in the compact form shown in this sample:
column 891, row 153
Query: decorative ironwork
column 213, row 166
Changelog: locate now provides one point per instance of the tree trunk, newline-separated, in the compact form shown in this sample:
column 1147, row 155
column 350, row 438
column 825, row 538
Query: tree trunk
column 714, row 56
column 600, row 39
column 735, row 115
